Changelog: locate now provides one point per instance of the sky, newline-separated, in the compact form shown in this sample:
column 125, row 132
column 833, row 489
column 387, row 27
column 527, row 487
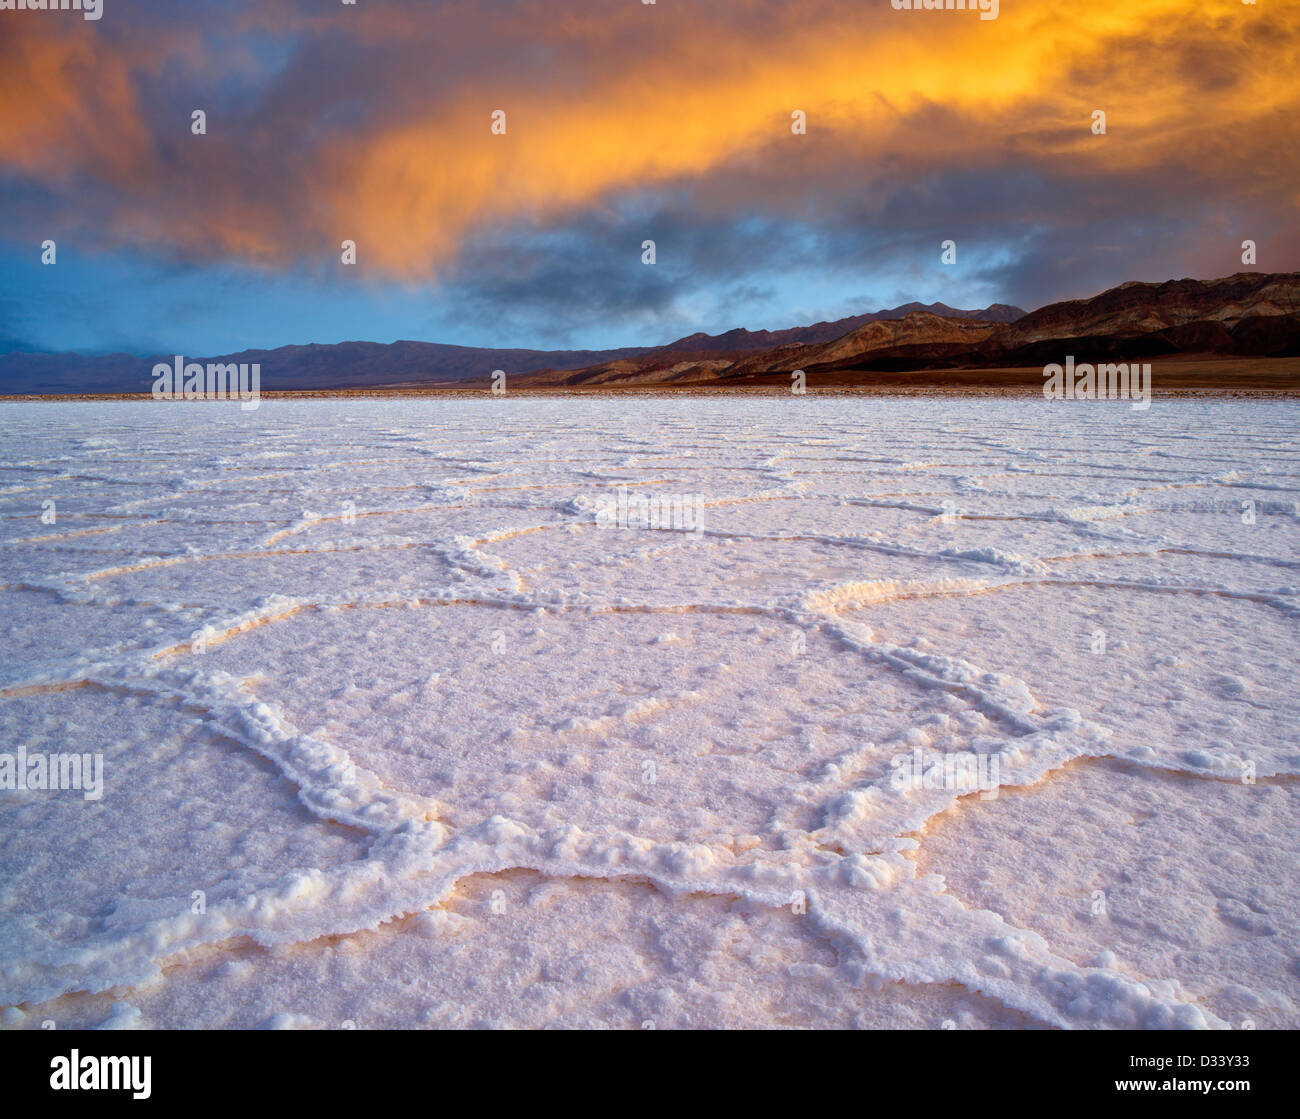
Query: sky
column 624, row 122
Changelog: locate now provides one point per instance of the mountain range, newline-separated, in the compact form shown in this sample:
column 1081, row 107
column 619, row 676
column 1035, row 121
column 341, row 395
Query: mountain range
column 1249, row 314
column 362, row 365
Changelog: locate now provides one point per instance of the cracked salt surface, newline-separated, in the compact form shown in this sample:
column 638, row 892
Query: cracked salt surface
column 396, row 734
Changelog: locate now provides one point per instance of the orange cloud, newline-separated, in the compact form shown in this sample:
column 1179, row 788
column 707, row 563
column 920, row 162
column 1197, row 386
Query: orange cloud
column 615, row 100
column 1025, row 83
column 70, row 108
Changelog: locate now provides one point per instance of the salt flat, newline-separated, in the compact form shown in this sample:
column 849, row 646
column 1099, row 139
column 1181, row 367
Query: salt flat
column 407, row 719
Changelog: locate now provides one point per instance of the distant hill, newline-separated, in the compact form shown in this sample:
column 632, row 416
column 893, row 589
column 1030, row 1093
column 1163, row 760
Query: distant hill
column 734, row 340
column 427, row 364
column 1249, row 314
column 343, row 365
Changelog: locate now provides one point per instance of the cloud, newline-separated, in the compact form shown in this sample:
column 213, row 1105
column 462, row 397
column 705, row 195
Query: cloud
column 671, row 121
